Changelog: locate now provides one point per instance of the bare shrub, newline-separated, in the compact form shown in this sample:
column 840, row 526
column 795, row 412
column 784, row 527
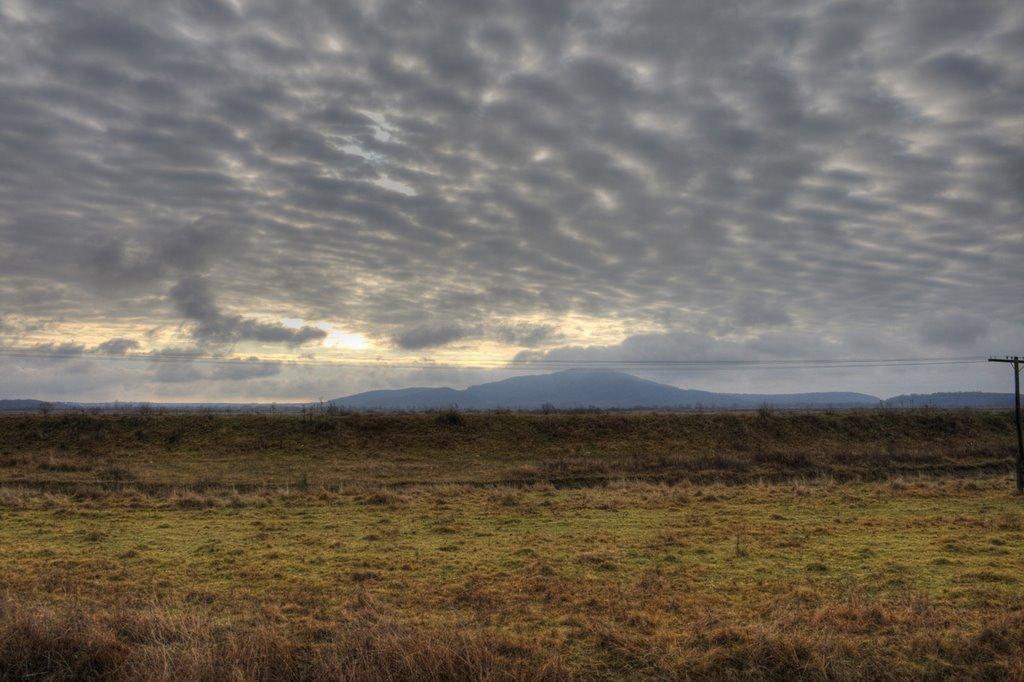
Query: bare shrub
column 56, row 464
column 190, row 499
column 15, row 498
column 451, row 417
column 112, row 472
column 506, row 497
column 383, row 498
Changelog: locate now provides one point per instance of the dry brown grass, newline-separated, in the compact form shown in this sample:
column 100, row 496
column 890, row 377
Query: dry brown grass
column 845, row 641
column 41, row 642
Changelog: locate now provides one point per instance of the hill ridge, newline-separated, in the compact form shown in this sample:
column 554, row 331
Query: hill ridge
column 575, row 388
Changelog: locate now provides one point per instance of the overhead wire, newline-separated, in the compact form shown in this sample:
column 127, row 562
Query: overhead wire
column 521, row 364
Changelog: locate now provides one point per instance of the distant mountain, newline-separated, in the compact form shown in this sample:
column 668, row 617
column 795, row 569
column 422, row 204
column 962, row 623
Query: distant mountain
column 401, row 399
column 28, row 405
column 576, row 388
column 967, row 399
column 21, row 405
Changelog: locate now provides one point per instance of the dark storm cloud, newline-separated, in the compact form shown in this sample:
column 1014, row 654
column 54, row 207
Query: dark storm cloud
column 58, row 355
column 429, row 336
column 251, row 368
column 116, row 346
column 954, row 330
column 193, row 300
column 432, row 335
column 754, row 310
column 722, row 171
column 961, row 72
column 186, row 371
column 60, row 350
column 526, row 334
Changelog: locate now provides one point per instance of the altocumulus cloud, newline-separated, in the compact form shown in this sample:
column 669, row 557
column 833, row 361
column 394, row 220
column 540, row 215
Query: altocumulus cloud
column 774, row 178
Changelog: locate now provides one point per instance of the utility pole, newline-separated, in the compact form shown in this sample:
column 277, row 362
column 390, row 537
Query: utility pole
column 1016, row 362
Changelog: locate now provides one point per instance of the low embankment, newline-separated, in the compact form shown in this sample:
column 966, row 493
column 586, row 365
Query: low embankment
column 149, row 449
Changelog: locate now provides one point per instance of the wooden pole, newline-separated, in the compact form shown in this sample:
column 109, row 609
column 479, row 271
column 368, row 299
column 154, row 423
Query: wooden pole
column 1020, row 439
column 1016, row 362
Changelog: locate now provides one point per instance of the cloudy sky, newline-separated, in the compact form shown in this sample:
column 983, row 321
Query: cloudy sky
column 466, row 183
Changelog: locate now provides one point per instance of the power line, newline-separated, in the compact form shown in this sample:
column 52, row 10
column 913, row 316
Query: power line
column 538, row 364
column 758, row 362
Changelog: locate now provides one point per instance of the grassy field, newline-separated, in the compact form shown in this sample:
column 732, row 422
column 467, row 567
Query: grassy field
column 883, row 545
